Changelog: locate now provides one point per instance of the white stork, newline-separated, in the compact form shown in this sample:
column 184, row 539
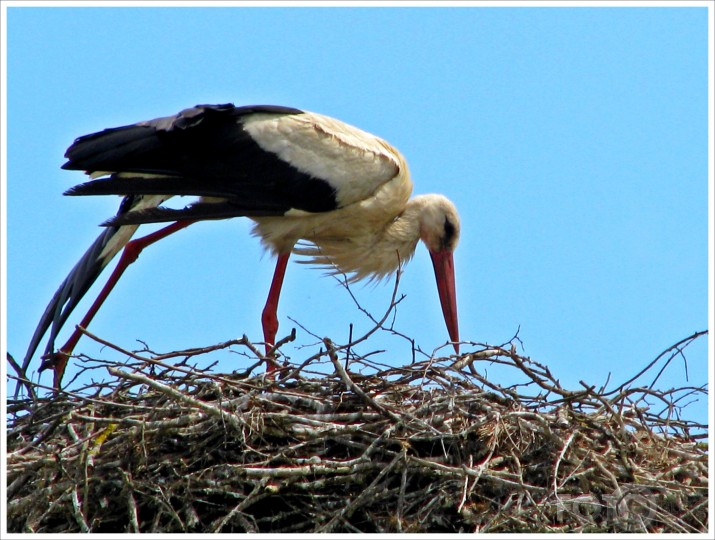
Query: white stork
column 313, row 185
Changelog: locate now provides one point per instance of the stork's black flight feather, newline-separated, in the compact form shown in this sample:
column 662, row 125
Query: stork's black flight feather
column 202, row 151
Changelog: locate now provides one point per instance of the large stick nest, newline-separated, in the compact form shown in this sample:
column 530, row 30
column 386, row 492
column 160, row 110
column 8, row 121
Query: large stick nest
column 339, row 443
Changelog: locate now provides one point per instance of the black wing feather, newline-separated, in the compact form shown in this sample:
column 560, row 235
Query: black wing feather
column 193, row 212
column 74, row 287
column 202, row 151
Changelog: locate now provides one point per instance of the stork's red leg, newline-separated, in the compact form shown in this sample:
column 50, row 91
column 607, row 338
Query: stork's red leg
column 269, row 318
column 130, row 254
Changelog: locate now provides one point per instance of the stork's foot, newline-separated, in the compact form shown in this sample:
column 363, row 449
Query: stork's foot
column 52, row 360
column 57, row 362
column 271, row 356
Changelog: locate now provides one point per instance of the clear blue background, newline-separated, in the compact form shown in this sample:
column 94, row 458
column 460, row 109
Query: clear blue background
column 573, row 141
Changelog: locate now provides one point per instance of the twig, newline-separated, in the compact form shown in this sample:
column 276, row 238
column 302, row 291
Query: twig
column 22, row 378
column 353, row 387
column 677, row 346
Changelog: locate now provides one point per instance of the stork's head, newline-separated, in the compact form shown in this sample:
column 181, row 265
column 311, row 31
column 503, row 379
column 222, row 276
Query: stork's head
column 439, row 230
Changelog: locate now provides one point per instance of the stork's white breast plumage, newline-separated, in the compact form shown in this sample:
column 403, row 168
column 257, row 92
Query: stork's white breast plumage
column 315, row 186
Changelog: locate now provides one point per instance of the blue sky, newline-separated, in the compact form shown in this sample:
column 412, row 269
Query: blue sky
column 573, row 141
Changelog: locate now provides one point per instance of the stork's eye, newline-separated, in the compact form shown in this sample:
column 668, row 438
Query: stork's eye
column 449, row 233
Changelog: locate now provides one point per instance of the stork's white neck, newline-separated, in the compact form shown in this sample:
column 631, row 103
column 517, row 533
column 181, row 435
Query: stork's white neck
column 368, row 251
column 374, row 249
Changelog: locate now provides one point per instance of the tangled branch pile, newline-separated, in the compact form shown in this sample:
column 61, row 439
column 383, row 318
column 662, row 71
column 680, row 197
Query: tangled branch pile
column 434, row 446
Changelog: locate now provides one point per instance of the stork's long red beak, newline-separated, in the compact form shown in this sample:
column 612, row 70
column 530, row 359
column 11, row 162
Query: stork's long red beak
column 443, row 262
